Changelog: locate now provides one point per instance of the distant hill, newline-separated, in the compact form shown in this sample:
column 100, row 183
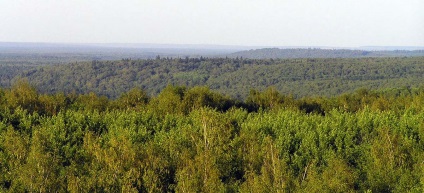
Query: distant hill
column 233, row 77
column 70, row 52
column 113, row 69
column 320, row 53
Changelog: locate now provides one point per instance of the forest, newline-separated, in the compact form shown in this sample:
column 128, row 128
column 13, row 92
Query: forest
column 266, row 53
column 194, row 139
column 316, row 122
column 229, row 76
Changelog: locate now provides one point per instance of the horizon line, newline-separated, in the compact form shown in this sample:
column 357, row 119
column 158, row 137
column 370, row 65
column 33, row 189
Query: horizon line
column 207, row 45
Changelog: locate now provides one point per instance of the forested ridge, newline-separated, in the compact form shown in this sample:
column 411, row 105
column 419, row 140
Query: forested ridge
column 275, row 53
column 230, row 76
column 193, row 139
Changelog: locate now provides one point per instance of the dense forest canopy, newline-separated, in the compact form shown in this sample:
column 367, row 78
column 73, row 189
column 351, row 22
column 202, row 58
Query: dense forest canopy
column 196, row 140
column 230, row 76
column 117, row 69
column 205, row 124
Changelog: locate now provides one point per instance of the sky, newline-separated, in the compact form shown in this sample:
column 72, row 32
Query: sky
column 336, row 23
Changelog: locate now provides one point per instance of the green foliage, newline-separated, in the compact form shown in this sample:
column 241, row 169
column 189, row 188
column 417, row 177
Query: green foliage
column 23, row 95
column 196, row 140
column 268, row 99
column 301, row 77
column 134, row 98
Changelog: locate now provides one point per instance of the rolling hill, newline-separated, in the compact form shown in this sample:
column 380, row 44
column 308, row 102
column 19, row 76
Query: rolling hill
column 320, row 53
column 233, row 77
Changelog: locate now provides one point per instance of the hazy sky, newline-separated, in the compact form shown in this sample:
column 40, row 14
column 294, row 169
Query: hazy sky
column 225, row 22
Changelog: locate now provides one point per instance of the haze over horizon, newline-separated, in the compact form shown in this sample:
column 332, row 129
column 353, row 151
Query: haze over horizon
column 327, row 23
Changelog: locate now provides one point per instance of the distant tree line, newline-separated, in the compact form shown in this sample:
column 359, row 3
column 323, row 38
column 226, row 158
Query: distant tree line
column 230, row 76
column 267, row 53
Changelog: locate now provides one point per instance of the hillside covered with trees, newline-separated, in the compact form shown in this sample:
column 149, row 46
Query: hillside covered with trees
column 197, row 140
column 212, row 125
column 274, row 53
column 229, row 76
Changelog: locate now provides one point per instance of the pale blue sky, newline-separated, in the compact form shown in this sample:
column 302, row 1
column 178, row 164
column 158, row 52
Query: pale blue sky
column 346, row 23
